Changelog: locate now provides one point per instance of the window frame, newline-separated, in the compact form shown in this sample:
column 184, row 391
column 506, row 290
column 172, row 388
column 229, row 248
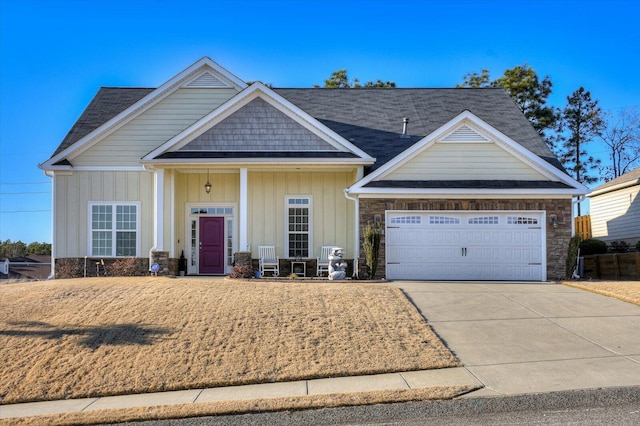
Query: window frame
column 309, row 232
column 114, row 231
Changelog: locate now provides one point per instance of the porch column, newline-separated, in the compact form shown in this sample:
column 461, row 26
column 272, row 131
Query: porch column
column 243, row 221
column 158, row 210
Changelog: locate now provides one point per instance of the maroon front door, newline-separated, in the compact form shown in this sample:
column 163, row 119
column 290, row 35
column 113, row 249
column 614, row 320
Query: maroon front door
column 212, row 245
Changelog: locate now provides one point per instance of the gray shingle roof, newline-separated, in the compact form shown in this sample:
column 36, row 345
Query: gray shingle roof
column 633, row 175
column 372, row 118
column 106, row 104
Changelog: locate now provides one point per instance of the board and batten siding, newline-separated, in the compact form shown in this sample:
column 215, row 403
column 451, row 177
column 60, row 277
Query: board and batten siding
column 616, row 215
column 74, row 192
column 127, row 145
column 189, row 188
column 332, row 214
column 451, row 161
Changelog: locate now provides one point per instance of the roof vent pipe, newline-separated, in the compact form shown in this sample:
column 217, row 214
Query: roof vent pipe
column 405, row 122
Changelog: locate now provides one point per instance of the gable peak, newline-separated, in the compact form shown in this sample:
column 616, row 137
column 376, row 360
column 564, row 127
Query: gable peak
column 465, row 134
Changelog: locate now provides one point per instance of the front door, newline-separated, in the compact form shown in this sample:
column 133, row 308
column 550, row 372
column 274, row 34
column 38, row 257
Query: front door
column 212, row 245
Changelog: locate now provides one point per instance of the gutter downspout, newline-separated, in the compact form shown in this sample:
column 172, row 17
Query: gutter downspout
column 51, row 174
column 356, row 256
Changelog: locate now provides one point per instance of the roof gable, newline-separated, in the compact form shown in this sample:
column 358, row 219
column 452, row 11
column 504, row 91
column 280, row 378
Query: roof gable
column 455, row 152
column 87, row 133
column 259, row 121
column 258, row 126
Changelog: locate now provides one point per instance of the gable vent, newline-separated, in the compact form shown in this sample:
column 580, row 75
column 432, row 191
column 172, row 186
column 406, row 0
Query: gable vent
column 465, row 134
column 206, row 79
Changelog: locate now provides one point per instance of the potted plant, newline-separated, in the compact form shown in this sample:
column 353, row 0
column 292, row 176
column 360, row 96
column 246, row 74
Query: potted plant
column 182, row 264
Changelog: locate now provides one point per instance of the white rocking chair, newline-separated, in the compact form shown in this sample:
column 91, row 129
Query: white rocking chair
column 323, row 261
column 269, row 262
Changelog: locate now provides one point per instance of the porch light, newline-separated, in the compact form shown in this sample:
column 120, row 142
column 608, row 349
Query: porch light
column 207, row 186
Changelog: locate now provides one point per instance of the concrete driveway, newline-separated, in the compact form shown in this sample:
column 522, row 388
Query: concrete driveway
column 520, row 338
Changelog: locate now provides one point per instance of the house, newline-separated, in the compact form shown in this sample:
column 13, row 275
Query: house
column 461, row 184
column 32, row 267
column 615, row 209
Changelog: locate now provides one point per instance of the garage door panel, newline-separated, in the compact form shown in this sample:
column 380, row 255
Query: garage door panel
column 467, row 246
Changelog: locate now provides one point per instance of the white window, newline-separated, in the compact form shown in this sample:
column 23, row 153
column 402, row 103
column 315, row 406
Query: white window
column 443, row 220
column 522, row 220
column 298, row 227
column 484, row 220
column 406, row 220
column 114, row 229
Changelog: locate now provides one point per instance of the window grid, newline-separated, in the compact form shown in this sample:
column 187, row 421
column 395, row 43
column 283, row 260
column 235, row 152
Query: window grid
column 484, row 220
column 443, row 220
column 298, row 226
column 521, row 220
column 114, row 235
column 406, row 220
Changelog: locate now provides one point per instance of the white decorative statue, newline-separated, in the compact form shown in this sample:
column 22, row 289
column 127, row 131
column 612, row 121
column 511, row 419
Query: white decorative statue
column 337, row 265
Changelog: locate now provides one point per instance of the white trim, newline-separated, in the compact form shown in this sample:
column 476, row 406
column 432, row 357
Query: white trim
column 243, row 98
column 114, row 230
column 244, row 219
column 139, row 107
column 500, row 139
column 172, row 213
column 287, row 205
column 612, row 188
column 191, row 270
column 158, row 210
column 464, row 194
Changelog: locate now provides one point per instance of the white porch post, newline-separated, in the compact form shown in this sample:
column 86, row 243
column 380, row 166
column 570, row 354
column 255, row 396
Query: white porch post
column 158, row 210
column 243, row 221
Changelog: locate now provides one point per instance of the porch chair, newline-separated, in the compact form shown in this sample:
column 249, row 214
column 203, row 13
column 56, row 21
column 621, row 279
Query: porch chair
column 323, row 261
column 268, row 260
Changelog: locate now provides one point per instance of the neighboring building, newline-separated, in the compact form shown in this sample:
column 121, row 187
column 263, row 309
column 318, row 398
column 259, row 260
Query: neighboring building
column 464, row 189
column 32, row 267
column 615, row 209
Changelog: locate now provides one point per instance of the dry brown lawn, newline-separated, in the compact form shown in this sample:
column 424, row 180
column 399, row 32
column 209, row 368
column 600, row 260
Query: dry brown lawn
column 108, row 336
column 629, row 291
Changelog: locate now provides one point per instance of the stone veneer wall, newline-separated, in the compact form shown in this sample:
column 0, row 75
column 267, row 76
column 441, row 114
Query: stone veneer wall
column 557, row 238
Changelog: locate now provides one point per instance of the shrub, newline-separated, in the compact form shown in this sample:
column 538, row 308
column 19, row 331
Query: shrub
column 371, row 246
column 244, row 271
column 125, row 267
column 69, row 268
column 619, row 247
column 592, row 246
column 572, row 256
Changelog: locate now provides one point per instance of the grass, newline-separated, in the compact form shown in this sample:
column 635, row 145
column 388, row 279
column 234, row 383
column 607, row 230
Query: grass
column 629, row 291
column 108, row 336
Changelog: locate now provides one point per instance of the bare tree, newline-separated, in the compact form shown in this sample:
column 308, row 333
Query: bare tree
column 622, row 138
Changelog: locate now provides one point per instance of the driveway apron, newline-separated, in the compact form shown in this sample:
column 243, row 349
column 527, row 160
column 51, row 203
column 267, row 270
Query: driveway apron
column 521, row 338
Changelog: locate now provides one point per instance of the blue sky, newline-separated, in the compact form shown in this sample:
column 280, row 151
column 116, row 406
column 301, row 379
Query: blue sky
column 55, row 54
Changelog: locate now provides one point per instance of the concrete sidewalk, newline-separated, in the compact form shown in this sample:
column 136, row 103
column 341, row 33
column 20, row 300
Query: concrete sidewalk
column 522, row 338
column 406, row 380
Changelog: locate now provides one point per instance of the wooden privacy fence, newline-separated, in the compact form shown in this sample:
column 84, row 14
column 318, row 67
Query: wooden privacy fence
column 618, row 266
column 583, row 226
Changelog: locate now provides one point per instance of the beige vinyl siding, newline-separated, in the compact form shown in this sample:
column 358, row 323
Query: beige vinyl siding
column 189, row 188
column 75, row 191
column 451, row 161
column 127, row 145
column 616, row 215
column 332, row 214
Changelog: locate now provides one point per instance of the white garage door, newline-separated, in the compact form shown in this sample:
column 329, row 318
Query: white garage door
column 448, row 245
